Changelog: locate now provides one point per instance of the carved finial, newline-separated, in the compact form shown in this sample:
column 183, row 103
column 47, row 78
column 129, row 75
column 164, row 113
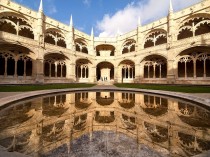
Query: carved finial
column 139, row 21
column 41, row 6
column 92, row 32
column 171, row 7
column 71, row 21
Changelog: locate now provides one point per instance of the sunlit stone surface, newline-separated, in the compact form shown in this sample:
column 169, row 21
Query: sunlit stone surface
column 105, row 124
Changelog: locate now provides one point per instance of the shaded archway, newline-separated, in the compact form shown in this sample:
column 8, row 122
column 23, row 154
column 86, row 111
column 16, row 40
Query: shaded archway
column 129, row 46
column 193, row 63
column 105, row 72
column 82, row 70
column 155, row 66
column 127, row 71
column 105, row 50
column 16, row 61
column 16, row 24
column 55, row 65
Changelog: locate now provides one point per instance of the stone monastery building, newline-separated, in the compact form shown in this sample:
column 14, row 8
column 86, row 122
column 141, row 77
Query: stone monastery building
column 37, row 49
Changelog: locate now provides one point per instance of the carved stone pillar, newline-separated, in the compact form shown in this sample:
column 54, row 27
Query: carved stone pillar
column 170, row 72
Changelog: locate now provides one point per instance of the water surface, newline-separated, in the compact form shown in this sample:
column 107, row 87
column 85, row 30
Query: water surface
column 105, row 124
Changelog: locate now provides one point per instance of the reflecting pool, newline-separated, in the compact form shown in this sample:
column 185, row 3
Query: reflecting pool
column 105, row 124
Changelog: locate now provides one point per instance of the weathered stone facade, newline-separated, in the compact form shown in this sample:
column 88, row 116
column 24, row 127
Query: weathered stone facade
column 37, row 49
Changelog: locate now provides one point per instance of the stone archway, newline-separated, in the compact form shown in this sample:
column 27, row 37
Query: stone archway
column 105, row 72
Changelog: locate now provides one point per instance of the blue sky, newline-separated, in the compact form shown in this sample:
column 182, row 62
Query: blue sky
column 106, row 16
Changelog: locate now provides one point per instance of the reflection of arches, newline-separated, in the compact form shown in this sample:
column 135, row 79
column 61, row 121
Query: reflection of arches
column 127, row 70
column 192, row 145
column 193, row 115
column 195, row 25
column 55, row 65
column 155, row 66
column 156, row 37
column 155, row 106
column 129, row 122
column 52, row 132
column 104, row 116
column 54, row 105
column 105, row 71
column 127, row 101
column 104, row 98
column 82, row 101
column 80, row 122
column 194, row 62
column 16, row 115
column 156, row 133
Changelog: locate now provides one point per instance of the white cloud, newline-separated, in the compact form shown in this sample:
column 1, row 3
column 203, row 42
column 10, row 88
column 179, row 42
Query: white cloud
column 87, row 2
column 127, row 18
column 52, row 9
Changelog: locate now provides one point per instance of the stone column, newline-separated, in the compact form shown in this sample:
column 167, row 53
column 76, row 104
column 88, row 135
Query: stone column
column 92, row 74
column 39, row 63
column 137, row 73
column 5, row 69
column 116, row 76
column 170, row 72
column 71, row 71
column 24, row 69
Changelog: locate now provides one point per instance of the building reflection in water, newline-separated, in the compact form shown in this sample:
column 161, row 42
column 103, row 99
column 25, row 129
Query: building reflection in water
column 42, row 125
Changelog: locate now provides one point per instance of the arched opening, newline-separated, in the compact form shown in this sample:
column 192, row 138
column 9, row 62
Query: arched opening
column 105, row 72
column 7, row 27
column 10, row 66
column 49, row 39
column 55, row 37
column 81, row 46
column 155, row 67
column 193, row 63
column 203, row 28
column 129, row 46
column 148, row 43
column 193, row 26
column 2, row 64
column 24, row 66
column 16, row 24
column 25, row 32
column 185, row 33
column 155, row 38
column 82, row 70
column 55, row 65
column 61, row 43
column 17, row 61
column 127, row 70
column 105, row 50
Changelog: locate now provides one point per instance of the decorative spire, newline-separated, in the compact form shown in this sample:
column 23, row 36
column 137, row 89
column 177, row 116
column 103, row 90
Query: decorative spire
column 92, row 33
column 71, row 21
column 41, row 6
column 139, row 21
column 171, row 7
